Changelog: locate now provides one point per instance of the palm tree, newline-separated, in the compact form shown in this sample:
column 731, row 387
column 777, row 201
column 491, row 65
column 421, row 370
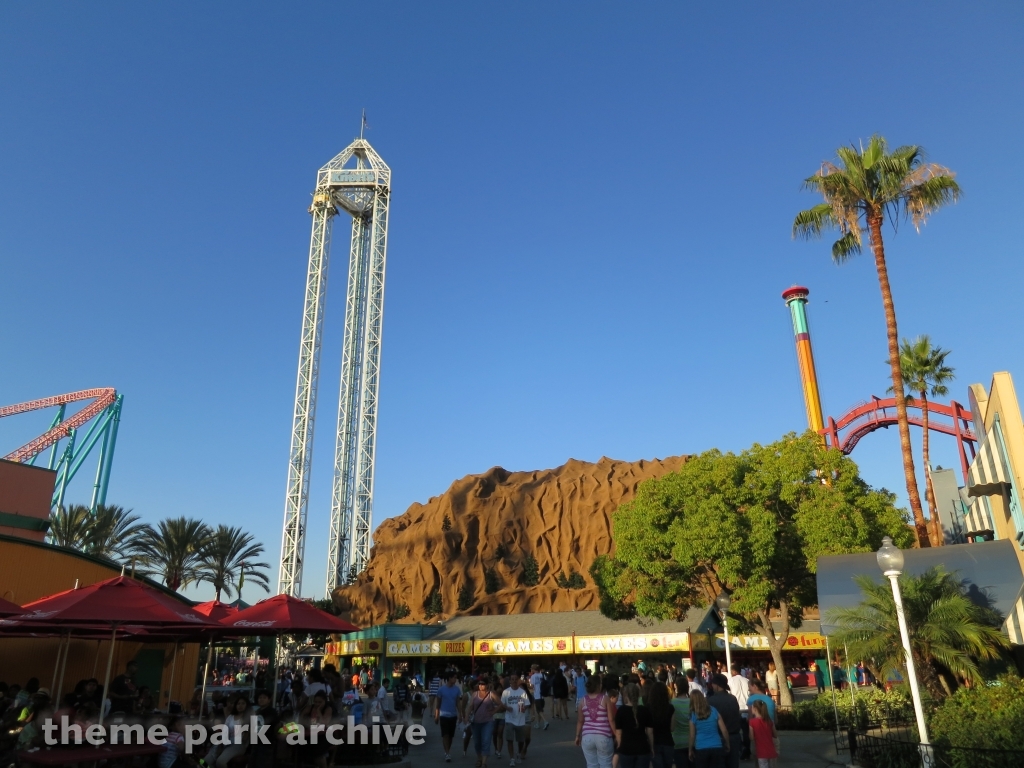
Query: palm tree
column 860, row 191
column 70, row 527
column 949, row 634
column 173, row 550
column 228, row 557
column 115, row 533
column 925, row 373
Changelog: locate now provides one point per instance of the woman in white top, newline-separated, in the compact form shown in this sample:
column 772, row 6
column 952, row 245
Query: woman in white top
column 238, row 714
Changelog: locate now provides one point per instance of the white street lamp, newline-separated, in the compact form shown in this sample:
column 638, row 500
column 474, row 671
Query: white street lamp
column 890, row 560
column 723, row 601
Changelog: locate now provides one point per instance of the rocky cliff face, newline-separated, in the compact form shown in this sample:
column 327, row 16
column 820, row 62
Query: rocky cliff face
column 474, row 543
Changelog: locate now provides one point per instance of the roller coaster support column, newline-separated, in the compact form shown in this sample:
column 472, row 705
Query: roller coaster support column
column 796, row 300
column 108, row 449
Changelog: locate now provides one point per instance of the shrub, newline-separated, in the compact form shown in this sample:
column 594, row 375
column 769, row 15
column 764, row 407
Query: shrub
column 873, row 705
column 531, row 572
column 465, row 597
column 434, row 605
column 491, row 583
column 574, row 580
column 501, row 552
column 400, row 611
column 991, row 716
column 446, row 524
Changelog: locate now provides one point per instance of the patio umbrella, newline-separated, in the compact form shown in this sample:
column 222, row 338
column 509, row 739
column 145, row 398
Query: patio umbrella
column 116, row 604
column 9, row 609
column 284, row 615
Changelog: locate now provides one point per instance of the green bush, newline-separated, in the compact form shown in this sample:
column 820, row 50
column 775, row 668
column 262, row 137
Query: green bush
column 466, row 597
column 491, row 582
column 531, row 573
column 985, row 717
column 872, row 705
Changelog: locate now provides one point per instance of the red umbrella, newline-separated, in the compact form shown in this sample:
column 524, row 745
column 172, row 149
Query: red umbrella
column 9, row 609
column 283, row 615
column 215, row 610
column 117, row 604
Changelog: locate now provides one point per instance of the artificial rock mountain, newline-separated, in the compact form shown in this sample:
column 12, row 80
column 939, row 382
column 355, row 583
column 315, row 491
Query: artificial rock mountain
column 560, row 517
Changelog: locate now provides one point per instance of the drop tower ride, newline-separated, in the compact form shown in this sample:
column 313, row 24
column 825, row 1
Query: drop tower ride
column 796, row 300
column 358, row 182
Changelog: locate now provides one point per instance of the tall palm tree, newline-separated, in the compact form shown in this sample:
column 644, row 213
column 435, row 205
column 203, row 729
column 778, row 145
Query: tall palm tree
column 229, row 556
column 115, row 533
column 173, row 550
column 949, row 634
column 70, row 527
column 925, row 373
column 861, row 190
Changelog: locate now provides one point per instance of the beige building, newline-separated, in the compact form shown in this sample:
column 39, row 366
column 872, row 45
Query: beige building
column 995, row 480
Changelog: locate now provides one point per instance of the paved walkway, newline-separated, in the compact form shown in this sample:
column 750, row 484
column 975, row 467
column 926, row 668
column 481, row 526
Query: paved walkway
column 554, row 748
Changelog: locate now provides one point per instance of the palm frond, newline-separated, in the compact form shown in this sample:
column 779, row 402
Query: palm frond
column 812, row 222
column 846, row 246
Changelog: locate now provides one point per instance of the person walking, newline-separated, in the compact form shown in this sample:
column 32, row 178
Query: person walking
column 480, row 717
column 819, row 676
column 435, row 684
column 681, row 721
column 498, row 736
column 581, row 687
column 536, row 688
column 729, row 709
column 764, row 736
column 447, row 706
column 659, row 732
column 631, row 723
column 739, row 686
column 560, row 692
column 515, row 702
column 594, row 726
column 709, row 738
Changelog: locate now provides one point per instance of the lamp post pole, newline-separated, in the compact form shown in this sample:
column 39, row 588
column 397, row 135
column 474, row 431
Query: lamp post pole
column 724, row 601
column 890, row 560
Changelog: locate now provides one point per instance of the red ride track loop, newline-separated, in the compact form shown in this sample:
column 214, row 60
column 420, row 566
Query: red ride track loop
column 879, row 414
column 104, row 397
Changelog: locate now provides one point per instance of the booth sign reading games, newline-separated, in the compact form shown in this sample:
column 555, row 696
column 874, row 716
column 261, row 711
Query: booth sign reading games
column 523, row 646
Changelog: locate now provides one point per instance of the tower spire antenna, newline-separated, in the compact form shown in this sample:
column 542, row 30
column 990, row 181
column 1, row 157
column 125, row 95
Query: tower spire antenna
column 363, row 126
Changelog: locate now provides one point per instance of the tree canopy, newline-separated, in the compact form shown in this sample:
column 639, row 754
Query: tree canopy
column 752, row 524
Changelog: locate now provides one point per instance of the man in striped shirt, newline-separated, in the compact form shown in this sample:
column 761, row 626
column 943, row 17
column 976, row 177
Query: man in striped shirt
column 435, row 683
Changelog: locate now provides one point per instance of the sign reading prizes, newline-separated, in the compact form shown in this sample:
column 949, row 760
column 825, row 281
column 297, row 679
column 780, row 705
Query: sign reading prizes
column 422, row 648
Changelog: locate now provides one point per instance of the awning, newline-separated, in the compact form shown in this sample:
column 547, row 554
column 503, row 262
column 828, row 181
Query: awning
column 987, row 474
column 978, row 521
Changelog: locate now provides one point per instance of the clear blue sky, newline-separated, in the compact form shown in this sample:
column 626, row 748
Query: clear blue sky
column 590, row 228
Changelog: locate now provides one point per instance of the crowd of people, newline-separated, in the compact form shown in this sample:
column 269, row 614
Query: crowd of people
column 646, row 718
column 657, row 718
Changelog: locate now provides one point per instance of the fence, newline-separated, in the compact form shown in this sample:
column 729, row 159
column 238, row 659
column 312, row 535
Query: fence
column 892, row 751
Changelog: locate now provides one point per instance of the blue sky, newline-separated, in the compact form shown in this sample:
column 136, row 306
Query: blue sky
column 590, row 228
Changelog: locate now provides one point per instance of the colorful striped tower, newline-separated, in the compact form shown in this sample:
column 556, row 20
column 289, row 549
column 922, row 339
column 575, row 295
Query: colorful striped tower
column 796, row 300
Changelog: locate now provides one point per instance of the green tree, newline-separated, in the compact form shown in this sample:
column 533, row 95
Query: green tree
column 575, row 580
column 69, row 527
column 491, row 581
column 434, row 606
column 861, row 189
column 173, row 550
column 465, row 597
column 531, row 572
column 949, row 634
column 228, row 557
column 115, row 533
column 925, row 373
column 446, row 524
column 753, row 524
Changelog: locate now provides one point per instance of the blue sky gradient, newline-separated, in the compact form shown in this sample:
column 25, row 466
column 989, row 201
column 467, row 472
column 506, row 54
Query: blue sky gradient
column 590, row 228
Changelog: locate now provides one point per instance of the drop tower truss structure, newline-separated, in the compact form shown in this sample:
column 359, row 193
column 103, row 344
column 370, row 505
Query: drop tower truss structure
column 358, row 182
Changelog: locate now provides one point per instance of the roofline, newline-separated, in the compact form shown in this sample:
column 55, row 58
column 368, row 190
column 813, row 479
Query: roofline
column 113, row 565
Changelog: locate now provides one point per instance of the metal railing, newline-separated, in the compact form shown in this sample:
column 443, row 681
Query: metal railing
column 897, row 749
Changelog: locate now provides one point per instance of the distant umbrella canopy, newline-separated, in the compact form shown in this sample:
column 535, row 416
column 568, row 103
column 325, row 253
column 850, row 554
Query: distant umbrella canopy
column 284, row 614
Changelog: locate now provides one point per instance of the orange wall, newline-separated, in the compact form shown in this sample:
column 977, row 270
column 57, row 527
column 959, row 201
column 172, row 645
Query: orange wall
column 25, row 490
column 28, row 572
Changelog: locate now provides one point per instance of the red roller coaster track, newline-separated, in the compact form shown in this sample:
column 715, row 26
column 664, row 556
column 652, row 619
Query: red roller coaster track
column 879, row 414
column 104, row 397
